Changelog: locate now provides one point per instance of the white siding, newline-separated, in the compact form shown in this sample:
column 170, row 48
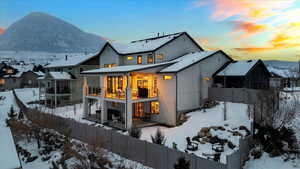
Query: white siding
column 109, row 56
column 167, row 100
column 192, row 88
column 178, row 47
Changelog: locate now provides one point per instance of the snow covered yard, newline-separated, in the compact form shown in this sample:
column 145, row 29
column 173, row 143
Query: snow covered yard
column 9, row 157
column 237, row 116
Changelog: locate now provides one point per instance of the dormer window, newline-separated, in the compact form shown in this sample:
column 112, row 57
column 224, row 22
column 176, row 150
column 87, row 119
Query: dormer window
column 160, row 56
column 139, row 59
column 150, row 58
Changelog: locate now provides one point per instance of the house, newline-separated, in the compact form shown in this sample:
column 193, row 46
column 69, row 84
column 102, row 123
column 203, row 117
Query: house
column 30, row 78
column 12, row 81
column 243, row 74
column 62, row 82
column 283, row 78
column 148, row 81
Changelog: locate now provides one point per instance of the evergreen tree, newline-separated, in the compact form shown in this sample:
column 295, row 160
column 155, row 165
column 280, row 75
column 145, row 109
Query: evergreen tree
column 135, row 132
column 12, row 114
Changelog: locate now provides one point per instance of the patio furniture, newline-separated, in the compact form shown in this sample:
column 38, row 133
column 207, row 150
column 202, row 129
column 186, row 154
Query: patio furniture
column 191, row 146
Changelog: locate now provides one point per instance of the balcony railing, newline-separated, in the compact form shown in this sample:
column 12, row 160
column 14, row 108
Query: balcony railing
column 59, row 90
column 94, row 91
column 140, row 93
column 119, row 94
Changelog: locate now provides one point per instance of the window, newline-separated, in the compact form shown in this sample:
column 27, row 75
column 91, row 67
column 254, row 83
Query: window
column 9, row 71
column 155, row 107
column 110, row 65
column 160, row 56
column 150, row 58
column 129, row 57
column 114, row 83
column 139, row 59
column 2, row 81
column 168, row 77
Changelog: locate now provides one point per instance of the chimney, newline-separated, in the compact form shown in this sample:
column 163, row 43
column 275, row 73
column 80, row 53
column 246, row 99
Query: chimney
column 66, row 57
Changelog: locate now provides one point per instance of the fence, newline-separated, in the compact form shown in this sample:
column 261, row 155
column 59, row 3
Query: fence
column 148, row 154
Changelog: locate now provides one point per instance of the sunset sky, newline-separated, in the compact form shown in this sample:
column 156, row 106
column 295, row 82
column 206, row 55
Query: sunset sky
column 267, row 29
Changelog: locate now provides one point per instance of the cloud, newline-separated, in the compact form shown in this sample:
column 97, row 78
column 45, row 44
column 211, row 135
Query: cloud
column 2, row 30
column 250, row 9
column 248, row 28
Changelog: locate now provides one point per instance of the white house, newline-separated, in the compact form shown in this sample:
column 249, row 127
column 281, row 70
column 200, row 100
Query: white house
column 150, row 81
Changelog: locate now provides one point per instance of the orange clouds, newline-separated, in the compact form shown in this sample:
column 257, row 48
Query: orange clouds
column 248, row 28
column 251, row 9
column 2, row 30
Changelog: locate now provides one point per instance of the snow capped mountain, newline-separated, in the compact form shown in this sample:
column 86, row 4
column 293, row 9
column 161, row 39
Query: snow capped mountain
column 42, row 32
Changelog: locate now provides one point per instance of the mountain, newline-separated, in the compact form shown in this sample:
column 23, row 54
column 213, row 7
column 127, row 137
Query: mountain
column 282, row 64
column 42, row 32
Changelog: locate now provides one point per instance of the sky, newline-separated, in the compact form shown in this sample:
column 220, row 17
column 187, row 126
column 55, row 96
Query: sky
column 245, row 29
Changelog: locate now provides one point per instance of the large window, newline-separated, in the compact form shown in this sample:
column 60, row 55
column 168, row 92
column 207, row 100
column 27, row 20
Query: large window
column 114, row 83
column 139, row 59
column 155, row 107
column 150, row 58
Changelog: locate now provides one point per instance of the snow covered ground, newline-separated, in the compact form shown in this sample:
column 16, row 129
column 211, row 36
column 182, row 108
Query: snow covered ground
column 237, row 116
column 9, row 157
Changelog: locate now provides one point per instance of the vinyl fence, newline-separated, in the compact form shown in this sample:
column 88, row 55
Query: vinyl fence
column 148, row 154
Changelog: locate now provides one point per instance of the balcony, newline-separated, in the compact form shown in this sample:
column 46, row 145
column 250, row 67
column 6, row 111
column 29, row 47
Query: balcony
column 94, row 91
column 59, row 90
column 140, row 93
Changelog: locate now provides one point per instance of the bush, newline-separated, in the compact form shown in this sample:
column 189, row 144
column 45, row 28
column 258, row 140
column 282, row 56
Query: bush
column 135, row 132
column 158, row 138
column 182, row 163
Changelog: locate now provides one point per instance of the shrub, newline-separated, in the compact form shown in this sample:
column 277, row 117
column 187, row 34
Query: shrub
column 135, row 132
column 182, row 163
column 158, row 138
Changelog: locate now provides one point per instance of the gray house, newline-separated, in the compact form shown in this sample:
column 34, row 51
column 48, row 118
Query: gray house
column 150, row 81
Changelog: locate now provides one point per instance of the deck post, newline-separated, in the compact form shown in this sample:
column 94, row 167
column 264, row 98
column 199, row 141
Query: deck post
column 128, row 121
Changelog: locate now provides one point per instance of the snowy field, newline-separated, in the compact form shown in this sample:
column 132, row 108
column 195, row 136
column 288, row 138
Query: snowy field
column 237, row 116
column 9, row 157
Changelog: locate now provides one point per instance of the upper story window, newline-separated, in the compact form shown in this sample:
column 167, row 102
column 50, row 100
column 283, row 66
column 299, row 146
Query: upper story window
column 150, row 58
column 130, row 57
column 167, row 77
column 139, row 59
column 110, row 65
column 160, row 56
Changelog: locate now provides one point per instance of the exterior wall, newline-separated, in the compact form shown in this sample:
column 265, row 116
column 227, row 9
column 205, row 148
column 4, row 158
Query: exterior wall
column 178, row 47
column 12, row 83
column 109, row 56
column 133, row 61
column 192, row 89
column 29, row 79
column 167, row 100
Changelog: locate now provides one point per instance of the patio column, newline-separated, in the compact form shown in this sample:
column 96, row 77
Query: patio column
column 55, row 94
column 128, row 103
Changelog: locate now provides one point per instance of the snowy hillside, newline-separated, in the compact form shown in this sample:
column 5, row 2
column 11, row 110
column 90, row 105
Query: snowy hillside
column 42, row 32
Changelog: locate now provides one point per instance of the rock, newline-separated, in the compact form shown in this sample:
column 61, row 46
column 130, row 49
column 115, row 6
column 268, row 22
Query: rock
column 214, row 140
column 246, row 129
column 205, row 139
column 202, row 142
column 236, row 133
column 256, row 153
column 275, row 153
column 203, row 132
column 221, row 128
column 231, row 145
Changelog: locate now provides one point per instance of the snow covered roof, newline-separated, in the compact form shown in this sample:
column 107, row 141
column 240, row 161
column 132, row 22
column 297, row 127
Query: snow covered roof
column 283, row 72
column 19, row 74
column 187, row 60
column 145, row 45
column 39, row 73
column 71, row 60
column 238, row 68
column 60, row 75
column 126, row 68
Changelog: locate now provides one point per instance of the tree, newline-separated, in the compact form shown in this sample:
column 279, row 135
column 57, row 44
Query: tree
column 158, row 138
column 135, row 132
column 182, row 163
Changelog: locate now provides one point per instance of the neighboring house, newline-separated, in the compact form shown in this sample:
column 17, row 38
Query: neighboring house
column 12, row 81
column 150, row 81
column 243, row 74
column 283, row 78
column 30, row 79
column 62, row 83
